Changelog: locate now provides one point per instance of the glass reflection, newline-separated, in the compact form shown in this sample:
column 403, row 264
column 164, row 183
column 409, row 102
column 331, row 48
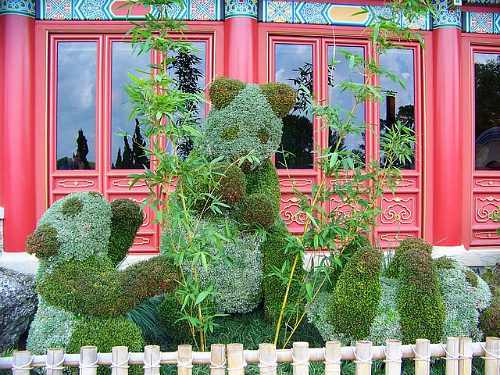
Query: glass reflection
column 294, row 66
column 127, row 151
column 487, row 82
column 76, row 105
column 338, row 73
column 399, row 104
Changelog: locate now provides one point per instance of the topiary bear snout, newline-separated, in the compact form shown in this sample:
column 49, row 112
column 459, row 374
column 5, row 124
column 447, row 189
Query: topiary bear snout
column 43, row 242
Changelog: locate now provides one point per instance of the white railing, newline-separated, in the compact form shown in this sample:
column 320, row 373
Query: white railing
column 458, row 353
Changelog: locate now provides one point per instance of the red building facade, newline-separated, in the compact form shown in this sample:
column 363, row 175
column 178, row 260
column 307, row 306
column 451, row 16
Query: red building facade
column 62, row 64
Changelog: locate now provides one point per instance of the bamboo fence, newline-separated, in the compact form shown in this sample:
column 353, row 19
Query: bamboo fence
column 458, row 353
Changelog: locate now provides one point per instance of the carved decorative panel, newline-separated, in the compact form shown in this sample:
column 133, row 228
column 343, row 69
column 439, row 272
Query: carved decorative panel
column 75, row 183
column 397, row 210
column 486, row 208
column 488, row 182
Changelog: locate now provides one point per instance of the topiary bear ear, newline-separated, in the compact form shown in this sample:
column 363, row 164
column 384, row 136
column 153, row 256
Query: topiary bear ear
column 223, row 90
column 281, row 97
column 43, row 242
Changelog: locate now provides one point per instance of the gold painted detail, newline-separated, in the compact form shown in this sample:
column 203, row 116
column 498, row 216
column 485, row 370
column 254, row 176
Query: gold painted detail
column 287, row 211
column 399, row 210
column 125, row 182
column 295, row 182
column 486, row 208
column 490, row 235
column 488, row 183
column 139, row 240
column 348, row 14
column 390, row 237
column 75, row 183
column 404, row 183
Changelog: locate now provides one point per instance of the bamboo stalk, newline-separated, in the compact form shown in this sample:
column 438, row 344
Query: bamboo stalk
column 452, row 355
column 332, row 357
column 300, row 357
column 217, row 359
column 364, row 355
column 393, row 354
column 88, row 360
column 267, row 359
column 119, row 360
column 422, row 357
column 235, row 359
column 184, row 360
column 465, row 347
column 151, row 360
column 21, row 363
column 491, row 356
column 55, row 361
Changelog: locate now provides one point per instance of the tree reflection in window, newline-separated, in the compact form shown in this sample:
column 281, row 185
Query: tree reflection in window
column 293, row 65
column 487, row 82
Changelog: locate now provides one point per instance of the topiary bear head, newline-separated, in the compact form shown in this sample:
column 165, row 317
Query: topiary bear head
column 245, row 119
column 84, row 225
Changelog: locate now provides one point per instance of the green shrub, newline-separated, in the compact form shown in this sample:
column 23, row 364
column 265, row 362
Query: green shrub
column 265, row 180
column 318, row 315
column 420, row 304
column 72, row 206
column 230, row 134
column 357, row 242
column 232, row 186
column 223, row 90
column 126, row 220
column 489, row 321
column 274, row 288
column 257, row 210
column 404, row 246
column 104, row 333
column 43, row 242
column 92, row 287
column 170, row 316
column 281, row 97
column 354, row 303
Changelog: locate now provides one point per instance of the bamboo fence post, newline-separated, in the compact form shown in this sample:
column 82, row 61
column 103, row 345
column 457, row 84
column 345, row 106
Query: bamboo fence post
column 363, row 355
column 300, row 358
column 151, row 360
column 217, row 359
column 393, row 354
column 333, row 357
column 88, row 360
column 235, row 359
column 184, row 360
column 55, row 361
column 466, row 355
column 119, row 360
column 491, row 356
column 21, row 363
column 452, row 355
column 268, row 359
column 422, row 353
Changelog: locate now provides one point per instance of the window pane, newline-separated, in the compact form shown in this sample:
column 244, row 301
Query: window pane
column 76, row 105
column 294, row 66
column 400, row 103
column 354, row 143
column 126, row 151
column 487, row 76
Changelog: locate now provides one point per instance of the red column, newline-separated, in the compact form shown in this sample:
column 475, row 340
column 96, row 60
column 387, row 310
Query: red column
column 447, row 154
column 240, row 44
column 17, row 102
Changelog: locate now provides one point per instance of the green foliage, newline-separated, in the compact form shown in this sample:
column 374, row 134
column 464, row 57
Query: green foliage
column 125, row 222
column 281, row 97
column 232, row 185
column 51, row 328
column 386, row 325
column 354, row 303
column 356, row 243
column 92, row 287
column 223, row 90
column 43, row 242
column 274, row 289
column 463, row 299
column 258, row 210
column 317, row 314
column 419, row 301
column 489, row 320
column 265, row 180
column 171, row 317
column 72, row 206
column 104, row 333
column 82, row 235
column 251, row 114
column 444, row 263
column 404, row 246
